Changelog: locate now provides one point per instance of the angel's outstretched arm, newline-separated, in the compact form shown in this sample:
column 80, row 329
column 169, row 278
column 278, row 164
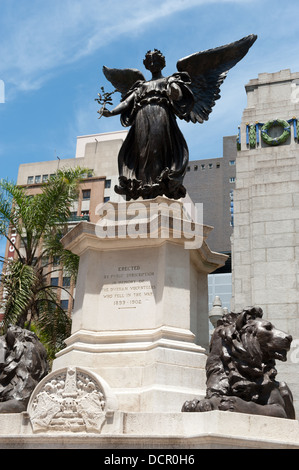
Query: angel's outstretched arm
column 120, row 108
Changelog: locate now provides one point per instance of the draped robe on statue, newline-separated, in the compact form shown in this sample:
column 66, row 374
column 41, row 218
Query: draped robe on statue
column 154, row 156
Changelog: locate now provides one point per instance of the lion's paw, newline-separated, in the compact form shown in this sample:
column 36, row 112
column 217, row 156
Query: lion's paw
column 190, row 405
column 227, row 404
column 205, row 405
column 198, row 405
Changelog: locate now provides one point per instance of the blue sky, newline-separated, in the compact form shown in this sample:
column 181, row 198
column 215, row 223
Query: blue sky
column 52, row 53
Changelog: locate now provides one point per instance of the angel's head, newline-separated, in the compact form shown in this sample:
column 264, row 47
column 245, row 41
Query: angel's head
column 154, row 61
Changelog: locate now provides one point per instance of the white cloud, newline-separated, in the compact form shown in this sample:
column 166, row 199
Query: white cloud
column 40, row 37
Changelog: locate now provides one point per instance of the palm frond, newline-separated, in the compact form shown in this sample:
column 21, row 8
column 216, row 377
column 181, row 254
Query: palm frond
column 38, row 220
column 18, row 285
column 12, row 200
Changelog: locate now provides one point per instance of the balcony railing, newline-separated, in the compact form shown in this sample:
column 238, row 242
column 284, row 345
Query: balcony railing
column 78, row 218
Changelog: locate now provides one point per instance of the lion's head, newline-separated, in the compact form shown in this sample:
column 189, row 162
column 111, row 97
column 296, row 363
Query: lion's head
column 242, row 356
column 23, row 363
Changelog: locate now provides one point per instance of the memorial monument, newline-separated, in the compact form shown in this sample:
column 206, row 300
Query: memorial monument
column 137, row 349
column 148, row 300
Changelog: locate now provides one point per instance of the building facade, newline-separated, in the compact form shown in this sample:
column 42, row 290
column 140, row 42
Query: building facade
column 212, row 182
column 93, row 153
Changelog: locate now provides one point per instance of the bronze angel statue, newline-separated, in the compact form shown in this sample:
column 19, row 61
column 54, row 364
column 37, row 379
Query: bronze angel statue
column 154, row 156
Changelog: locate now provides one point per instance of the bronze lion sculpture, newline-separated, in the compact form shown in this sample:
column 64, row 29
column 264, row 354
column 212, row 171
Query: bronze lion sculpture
column 241, row 369
column 23, row 363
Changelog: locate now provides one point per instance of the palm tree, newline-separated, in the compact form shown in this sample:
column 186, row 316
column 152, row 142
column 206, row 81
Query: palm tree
column 39, row 222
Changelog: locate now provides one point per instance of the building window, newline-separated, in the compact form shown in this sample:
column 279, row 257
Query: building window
column 232, row 179
column 30, row 179
column 64, row 304
column 89, row 174
column 108, row 184
column 210, row 165
column 232, row 162
column 66, row 282
column 195, row 167
column 106, row 199
column 38, row 179
column 203, row 166
column 188, row 168
column 218, row 165
column 45, row 178
column 54, row 281
column 85, row 194
column 56, row 261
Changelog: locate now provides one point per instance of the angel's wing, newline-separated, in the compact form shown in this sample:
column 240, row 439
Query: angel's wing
column 207, row 70
column 122, row 79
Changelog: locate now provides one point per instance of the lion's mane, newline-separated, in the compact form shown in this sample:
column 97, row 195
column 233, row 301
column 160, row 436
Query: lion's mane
column 235, row 366
column 23, row 363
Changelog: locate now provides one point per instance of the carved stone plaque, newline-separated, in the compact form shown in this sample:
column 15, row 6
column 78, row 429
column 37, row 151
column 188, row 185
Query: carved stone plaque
column 69, row 400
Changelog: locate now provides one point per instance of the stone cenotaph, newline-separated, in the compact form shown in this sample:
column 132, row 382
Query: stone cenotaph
column 141, row 311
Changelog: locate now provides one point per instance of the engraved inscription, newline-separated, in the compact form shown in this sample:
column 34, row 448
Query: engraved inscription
column 127, row 287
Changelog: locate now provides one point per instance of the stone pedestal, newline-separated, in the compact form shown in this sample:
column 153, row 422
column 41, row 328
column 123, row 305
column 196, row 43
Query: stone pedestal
column 141, row 310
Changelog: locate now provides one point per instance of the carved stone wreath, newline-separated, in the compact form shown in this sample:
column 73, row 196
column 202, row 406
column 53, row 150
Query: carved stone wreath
column 276, row 140
column 70, row 400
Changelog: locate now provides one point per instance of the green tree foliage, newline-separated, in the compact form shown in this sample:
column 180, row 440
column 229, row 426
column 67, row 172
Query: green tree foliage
column 39, row 221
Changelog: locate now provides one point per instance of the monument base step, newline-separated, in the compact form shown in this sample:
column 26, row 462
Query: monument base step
column 209, row 430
